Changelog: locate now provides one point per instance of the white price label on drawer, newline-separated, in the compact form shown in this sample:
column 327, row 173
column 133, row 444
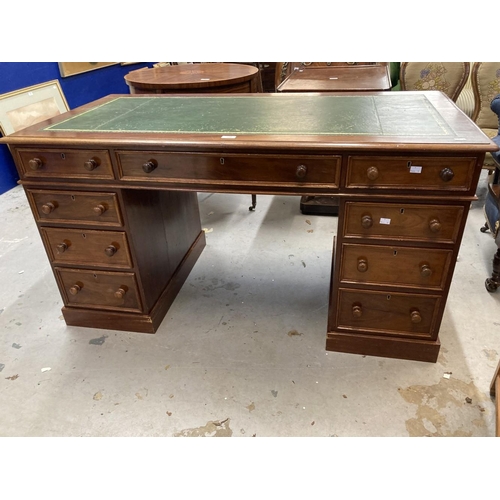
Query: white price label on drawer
column 385, row 221
column 415, row 170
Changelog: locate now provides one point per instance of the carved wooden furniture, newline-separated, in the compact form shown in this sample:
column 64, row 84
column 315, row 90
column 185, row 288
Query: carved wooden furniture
column 112, row 186
column 203, row 77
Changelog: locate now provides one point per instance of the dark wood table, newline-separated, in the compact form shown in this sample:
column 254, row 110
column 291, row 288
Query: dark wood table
column 344, row 78
column 372, row 77
column 113, row 189
column 196, row 78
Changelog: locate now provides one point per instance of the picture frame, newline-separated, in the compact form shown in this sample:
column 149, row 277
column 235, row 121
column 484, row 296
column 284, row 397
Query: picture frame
column 30, row 105
column 75, row 68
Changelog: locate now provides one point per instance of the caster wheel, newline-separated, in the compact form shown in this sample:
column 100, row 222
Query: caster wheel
column 484, row 229
column 490, row 285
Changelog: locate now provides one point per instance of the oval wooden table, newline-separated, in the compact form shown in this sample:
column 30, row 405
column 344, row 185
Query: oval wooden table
column 191, row 78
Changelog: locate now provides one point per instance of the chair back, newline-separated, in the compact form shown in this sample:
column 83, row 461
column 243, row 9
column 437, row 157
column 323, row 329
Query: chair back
column 448, row 77
column 485, row 79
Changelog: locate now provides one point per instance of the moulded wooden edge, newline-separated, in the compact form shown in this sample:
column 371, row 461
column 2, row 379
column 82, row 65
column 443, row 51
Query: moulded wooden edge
column 412, row 349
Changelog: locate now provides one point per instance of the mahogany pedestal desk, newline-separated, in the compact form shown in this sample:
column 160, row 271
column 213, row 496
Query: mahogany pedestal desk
column 112, row 186
column 347, row 78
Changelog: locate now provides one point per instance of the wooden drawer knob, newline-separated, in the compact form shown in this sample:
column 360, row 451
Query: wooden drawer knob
column 435, row 226
column 367, row 221
column 415, row 316
column 425, row 270
column 149, row 166
column 47, row 208
column 446, row 174
column 120, row 293
column 362, row 265
column 357, row 311
column 75, row 289
column 99, row 209
column 35, row 163
column 110, row 251
column 301, row 171
column 62, row 247
column 91, row 164
column 372, row 173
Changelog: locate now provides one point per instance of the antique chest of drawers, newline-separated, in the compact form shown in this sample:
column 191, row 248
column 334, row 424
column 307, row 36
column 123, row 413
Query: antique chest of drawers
column 113, row 189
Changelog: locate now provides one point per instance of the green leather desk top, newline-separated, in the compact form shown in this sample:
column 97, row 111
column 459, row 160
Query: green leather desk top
column 287, row 115
column 391, row 121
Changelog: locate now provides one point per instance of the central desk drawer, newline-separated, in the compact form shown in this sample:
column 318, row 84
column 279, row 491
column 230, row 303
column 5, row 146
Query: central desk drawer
column 389, row 265
column 211, row 168
column 66, row 163
column 75, row 207
column 90, row 248
column 416, row 173
column 388, row 313
column 102, row 290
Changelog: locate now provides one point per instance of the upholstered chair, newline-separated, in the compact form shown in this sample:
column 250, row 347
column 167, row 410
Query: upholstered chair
column 485, row 80
column 492, row 204
column 448, row 77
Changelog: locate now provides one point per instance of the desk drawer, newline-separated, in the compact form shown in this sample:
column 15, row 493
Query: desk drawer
column 90, row 248
column 388, row 313
column 75, row 207
column 415, row 173
column 72, row 163
column 232, row 169
column 98, row 289
column 398, row 266
column 411, row 222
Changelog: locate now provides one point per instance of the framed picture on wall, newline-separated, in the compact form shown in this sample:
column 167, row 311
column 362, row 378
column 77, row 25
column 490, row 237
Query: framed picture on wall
column 75, row 68
column 24, row 107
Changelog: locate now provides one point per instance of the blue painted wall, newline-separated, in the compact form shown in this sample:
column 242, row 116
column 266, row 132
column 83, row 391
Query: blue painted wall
column 78, row 90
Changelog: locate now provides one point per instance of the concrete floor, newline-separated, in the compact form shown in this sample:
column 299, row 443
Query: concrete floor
column 241, row 351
